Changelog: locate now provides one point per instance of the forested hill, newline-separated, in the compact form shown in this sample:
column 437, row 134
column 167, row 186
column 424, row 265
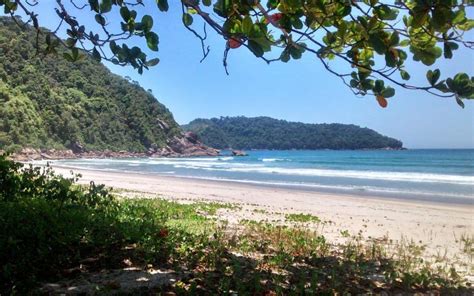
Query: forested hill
column 48, row 102
column 269, row 133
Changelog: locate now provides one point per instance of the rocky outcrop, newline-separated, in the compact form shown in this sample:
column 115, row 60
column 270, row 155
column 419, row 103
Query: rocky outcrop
column 165, row 126
column 77, row 147
column 239, row 153
column 184, row 145
column 28, row 154
column 192, row 137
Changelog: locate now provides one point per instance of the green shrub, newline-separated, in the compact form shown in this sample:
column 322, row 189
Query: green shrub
column 48, row 225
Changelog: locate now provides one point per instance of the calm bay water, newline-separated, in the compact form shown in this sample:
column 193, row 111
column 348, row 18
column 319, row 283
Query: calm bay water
column 437, row 175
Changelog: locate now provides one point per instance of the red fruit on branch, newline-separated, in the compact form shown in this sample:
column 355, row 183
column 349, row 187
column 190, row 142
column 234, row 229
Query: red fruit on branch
column 234, row 43
column 274, row 18
column 382, row 101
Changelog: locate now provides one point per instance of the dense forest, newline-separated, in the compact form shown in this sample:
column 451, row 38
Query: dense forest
column 268, row 133
column 46, row 102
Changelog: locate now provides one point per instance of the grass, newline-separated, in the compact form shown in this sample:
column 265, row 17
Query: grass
column 52, row 230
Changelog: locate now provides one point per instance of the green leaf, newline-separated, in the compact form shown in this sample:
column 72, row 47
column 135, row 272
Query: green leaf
column 105, row 6
column 442, row 87
column 377, row 43
column 135, row 52
column 207, row 2
column 405, row 75
column 191, row 11
column 247, row 25
column 187, row 19
column 448, row 49
column 94, row 5
column 390, row 59
column 379, row 86
column 96, row 55
column 433, row 76
column 264, row 43
column 114, row 47
column 440, row 17
column 125, row 13
column 256, row 32
column 100, row 19
column 354, row 83
column 460, row 102
column 448, row 53
column 285, row 56
column 295, row 52
column 222, row 7
column 344, row 10
column 285, row 22
column 255, row 48
column 459, row 16
column 367, row 84
column 419, row 18
column 386, row 13
column 147, row 23
column 467, row 25
column 152, row 62
column 404, row 42
column 427, row 56
column 296, row 23
column 152, row 40
column 394, row 39
column 388, row 92
column 162, row 5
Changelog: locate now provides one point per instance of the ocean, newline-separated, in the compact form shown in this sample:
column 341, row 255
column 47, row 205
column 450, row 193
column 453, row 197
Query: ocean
column 431, row 175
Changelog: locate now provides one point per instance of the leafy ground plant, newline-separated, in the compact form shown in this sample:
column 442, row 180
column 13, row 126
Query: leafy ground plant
column 302, row 218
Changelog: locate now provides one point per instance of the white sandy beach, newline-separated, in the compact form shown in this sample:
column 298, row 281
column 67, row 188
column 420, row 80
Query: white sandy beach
column 438, row 226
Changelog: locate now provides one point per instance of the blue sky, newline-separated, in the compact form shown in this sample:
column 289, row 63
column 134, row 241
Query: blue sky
column 298, row 91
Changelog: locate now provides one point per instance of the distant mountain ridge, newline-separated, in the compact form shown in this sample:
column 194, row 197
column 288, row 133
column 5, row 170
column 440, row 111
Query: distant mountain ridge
column 48, row 103
column 269, row 133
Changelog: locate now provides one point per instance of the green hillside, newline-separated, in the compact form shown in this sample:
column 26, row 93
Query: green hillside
column 268, row 133
column 47, row 102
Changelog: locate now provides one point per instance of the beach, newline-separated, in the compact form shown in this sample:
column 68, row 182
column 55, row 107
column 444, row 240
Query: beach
column 437, row 226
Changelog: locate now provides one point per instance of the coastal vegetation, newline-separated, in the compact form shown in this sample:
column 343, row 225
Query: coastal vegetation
column 47, row 102
column 268, row 133
column 57, row 237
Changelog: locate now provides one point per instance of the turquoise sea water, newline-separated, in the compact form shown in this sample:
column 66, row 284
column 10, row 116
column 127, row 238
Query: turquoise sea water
column 437, row 175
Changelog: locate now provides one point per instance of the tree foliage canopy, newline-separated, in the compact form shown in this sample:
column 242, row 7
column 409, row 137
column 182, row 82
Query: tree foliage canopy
column 373, row 38
column 49, row 103
column 269, row 133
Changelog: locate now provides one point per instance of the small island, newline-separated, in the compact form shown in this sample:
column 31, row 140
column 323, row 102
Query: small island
column 245, row 133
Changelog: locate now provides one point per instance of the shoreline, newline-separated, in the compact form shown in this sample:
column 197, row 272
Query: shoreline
column 417, row 197
column 34, row 154
column 351, row 193
column 438, row 226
